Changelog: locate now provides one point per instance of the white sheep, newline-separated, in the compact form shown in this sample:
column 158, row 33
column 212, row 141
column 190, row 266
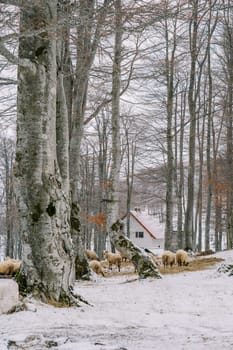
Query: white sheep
column 91, row 254
column 182, row 258
column 113, row 259
column 96, row 266
column 168, row 258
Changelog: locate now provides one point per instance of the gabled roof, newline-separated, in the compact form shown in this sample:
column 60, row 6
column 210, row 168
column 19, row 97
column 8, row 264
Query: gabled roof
column 154, row 229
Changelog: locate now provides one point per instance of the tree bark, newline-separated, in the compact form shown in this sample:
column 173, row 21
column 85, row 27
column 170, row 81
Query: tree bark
column 47, row 249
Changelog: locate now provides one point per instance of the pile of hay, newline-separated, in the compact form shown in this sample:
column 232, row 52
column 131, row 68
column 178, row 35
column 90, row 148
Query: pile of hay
column 196, row 264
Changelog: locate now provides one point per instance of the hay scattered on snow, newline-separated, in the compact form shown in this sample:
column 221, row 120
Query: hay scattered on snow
column 195, row 264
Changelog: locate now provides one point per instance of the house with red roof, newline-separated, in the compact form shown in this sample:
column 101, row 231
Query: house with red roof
column 145, row 230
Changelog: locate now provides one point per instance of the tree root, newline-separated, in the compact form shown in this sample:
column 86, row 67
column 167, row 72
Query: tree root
column 65, row 298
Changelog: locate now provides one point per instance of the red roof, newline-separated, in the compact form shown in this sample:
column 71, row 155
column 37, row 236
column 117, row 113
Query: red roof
column 148, row 223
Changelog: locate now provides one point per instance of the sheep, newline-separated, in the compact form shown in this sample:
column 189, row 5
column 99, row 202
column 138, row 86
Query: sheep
column 113, row 259
column 91, row 255
column 168, row 258
column 6, row 268
column 16, row 263
column 124, row 257
column 182, row 257
column 95, row 265
column 9, row 266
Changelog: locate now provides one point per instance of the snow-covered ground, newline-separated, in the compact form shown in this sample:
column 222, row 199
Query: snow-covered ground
column 191, row 310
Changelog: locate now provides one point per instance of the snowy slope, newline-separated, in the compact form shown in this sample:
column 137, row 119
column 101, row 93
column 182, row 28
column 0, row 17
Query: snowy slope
column 191, row 310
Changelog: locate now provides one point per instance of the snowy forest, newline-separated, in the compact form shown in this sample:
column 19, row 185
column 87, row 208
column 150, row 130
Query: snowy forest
column 106, row 106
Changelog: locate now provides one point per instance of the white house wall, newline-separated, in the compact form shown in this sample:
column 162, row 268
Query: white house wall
column 147, row 241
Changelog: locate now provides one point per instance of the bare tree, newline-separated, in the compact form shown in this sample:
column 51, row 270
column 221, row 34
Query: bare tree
column 91, row 21
column 113, row 207
column 188, row 227
column 7, row 153
column 228, row 58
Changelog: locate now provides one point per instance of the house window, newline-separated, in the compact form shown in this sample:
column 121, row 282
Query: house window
column 139, row 234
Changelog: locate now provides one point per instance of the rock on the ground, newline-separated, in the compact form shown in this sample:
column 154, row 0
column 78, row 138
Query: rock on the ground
column 9, row 295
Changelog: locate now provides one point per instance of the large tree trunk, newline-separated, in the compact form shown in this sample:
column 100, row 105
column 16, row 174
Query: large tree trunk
column 142, row 262
column 47, row 250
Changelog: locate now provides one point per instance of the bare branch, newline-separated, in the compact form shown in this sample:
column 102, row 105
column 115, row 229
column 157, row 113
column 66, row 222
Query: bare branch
column 18, row 3
column 7, row 54
column 7, row 81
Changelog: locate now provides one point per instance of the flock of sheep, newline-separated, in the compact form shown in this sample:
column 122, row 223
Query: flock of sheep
column 180, row 258
column 11, row 266
column 97, row 266
column 168, row 260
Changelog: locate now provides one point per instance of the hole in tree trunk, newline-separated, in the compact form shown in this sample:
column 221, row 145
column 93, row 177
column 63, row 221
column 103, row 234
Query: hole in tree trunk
column 51, row 210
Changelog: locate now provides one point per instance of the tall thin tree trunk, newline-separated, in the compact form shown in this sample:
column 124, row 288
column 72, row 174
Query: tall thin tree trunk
column 103, row 162
column 218, row 201
column 180, row 186
column 197, row 242
column 7, row 156
column 131, row 150
column 170, row 61
column 208, row 148
column 188, row 227
column 228, row 61
column 113, row 207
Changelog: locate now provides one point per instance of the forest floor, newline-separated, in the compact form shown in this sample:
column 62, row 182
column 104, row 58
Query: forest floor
column 189, row 310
